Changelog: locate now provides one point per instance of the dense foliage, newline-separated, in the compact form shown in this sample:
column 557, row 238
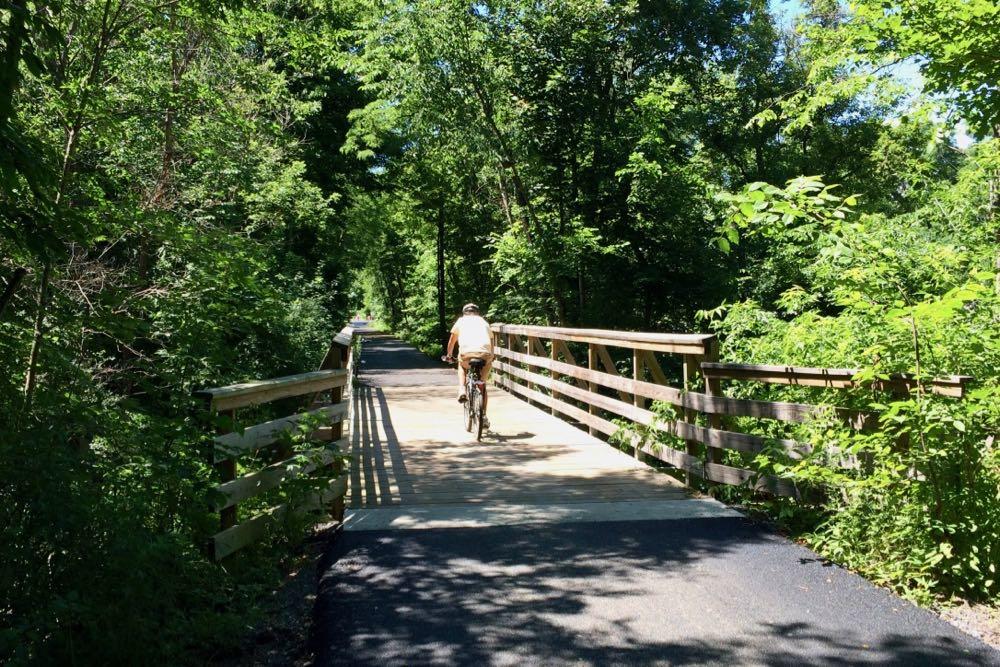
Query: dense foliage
column 195, row 192
column 915, row 293
column 170, row 220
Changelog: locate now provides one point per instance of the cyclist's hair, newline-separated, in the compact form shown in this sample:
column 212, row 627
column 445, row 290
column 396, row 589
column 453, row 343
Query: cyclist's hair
column 470, row 308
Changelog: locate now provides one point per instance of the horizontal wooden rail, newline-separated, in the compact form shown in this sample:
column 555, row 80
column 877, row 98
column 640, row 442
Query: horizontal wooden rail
column 713, row 472
column 834, row 378
column 656, row 392
column 335, row 377
column 256, row 483
column 721, row 405
column 234, row 538
column 233, row 445
column 707, row 436
column 264, row 391
column 698, row 344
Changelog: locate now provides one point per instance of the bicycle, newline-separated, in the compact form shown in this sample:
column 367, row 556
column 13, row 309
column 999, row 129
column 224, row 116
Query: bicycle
column 475, row 397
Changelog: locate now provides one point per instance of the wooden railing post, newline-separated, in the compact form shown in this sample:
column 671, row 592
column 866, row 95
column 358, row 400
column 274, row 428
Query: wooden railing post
column 555, row 357
column 638, row 375
column 227, row 470
column 339, row 357
column 512, row 344
column 713, row 387
column 689, row 415
column 592, row 386
column 534, row 347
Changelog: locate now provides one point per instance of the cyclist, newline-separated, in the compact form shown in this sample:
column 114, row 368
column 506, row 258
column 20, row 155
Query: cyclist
column 475, row 341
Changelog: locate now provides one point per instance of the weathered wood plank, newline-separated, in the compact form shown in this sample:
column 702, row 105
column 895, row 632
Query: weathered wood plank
column 834, row 378
column 687, row 431
column 255, row 483
column 591, row 385
column 715, row 472
column 741, row 442
column 226, row 471
column 676, row 343
column 239, row 443
column 582, row 416
column 264, row 391
column 231, row 540
column 721, row 405
column 341, row 342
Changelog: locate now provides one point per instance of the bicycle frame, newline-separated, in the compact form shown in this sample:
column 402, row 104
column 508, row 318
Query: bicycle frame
column 475, row 393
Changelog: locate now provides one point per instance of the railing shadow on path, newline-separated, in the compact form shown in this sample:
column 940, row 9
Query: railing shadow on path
column 383, row 480
column 403, row 482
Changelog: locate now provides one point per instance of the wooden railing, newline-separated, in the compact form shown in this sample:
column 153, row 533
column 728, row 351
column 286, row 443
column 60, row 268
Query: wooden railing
column 329, row 389
column 538, row 364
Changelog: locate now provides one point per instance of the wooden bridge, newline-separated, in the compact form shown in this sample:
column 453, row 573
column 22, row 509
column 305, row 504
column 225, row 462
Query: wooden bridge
column 545, row 544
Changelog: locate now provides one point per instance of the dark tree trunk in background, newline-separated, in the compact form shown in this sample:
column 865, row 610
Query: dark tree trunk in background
column 442, row 329
column 11, row 288
column 994, row 207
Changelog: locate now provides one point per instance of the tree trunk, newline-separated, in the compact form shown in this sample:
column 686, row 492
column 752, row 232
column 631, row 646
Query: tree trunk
column 504, row 200
column 442, row 330
column 507, row 160
column 11, row 289
column 72, row 139
column 10, row 73
column 30, row 377
column 994, row 206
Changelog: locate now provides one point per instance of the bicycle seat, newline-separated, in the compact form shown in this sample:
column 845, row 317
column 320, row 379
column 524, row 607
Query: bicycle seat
column 478, row 364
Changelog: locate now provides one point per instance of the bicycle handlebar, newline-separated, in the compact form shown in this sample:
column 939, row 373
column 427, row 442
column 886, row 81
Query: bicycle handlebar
column 448, row 360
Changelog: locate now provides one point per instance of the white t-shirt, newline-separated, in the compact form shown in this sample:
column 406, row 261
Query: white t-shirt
column 473, row 335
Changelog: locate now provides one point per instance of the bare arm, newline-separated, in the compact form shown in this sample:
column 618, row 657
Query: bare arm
column 451, row 343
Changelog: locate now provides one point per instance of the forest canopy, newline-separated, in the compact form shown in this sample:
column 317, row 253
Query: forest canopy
column 194, row 193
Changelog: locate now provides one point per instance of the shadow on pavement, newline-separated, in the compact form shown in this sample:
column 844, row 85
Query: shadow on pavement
column 719, row 591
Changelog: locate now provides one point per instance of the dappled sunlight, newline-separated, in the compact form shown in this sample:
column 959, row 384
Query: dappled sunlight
column 653, row 592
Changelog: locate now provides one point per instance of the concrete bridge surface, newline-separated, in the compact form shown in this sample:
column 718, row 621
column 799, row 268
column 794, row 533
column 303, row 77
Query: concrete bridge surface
column 542, row 545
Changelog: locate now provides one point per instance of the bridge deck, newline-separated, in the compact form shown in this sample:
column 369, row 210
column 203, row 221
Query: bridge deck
column 411, row 453
column 410, row 448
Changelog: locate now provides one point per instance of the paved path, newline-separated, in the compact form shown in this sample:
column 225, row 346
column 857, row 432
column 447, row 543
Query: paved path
column 544, row 546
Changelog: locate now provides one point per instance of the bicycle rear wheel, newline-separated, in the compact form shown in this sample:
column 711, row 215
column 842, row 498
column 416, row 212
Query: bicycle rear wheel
column 468, row 411
column 478, row 416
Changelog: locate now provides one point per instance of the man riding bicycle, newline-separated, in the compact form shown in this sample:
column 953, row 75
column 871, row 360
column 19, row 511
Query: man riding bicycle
column 475, row 341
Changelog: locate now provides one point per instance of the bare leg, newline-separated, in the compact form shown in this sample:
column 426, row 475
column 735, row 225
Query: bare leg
column 461, row 379
column 486, row 378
